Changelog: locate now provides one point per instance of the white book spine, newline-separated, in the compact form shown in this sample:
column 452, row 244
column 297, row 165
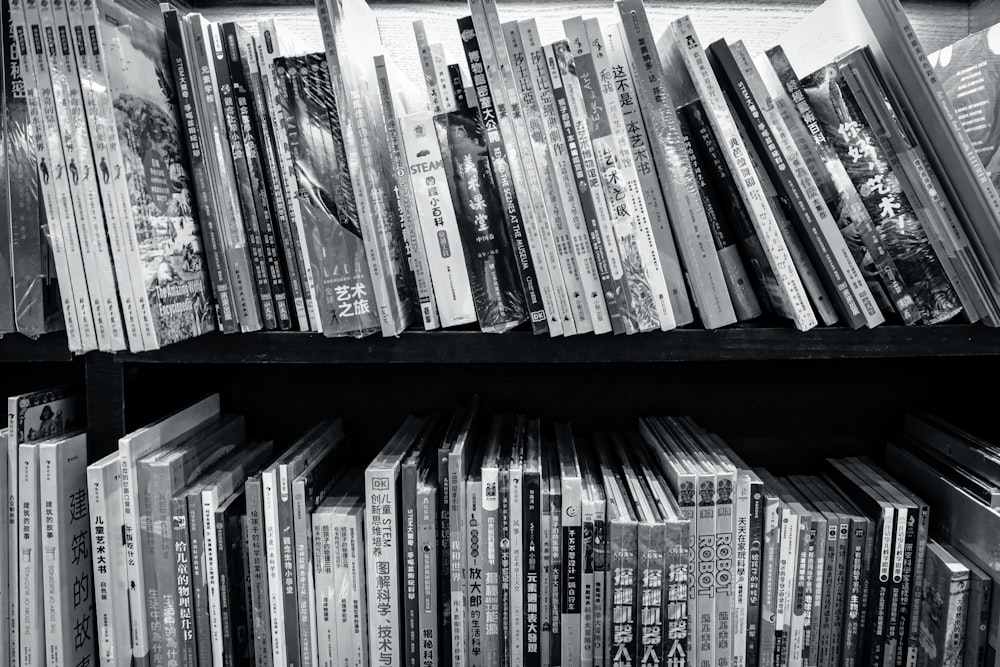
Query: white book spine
column 275, row 585
column 385, row 636
column 81, row 179
column 8, row 586
column 747, row 182
column 110, row 597
column 741, row 580
column 326, row 563
column 570, row 634
column 842, row 257
column 582, row 256
column 493, row 51
column 642, row 228
column 437, row 222
column 103, row 54
column 12, row 602
column 445, row 91
column 97, row 105
column 66, row 252
column 516, row 522
column 358, row 593
column 30, row 543
column 209, row 505
column 788, row 556
column 427, row 67
column 562, row 256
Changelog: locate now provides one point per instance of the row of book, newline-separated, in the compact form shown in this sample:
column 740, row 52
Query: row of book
column 190, row 176
column 476, row 539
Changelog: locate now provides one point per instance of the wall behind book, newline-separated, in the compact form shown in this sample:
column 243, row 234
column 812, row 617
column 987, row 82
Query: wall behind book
column 759, row 24
column 983, row 14
column 820, row 408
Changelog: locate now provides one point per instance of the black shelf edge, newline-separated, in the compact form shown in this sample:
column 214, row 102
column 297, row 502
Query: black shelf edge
column 15, row 347
column 738, row 343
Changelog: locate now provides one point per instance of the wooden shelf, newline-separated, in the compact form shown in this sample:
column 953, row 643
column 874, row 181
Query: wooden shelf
column 756, row 342
column 50, row 347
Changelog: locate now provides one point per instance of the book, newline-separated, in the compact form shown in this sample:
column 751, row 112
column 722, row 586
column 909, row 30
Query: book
column 66, row 541
column 945, row 595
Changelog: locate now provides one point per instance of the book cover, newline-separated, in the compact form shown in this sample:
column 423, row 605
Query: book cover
column 943, row 615
column 167, row 234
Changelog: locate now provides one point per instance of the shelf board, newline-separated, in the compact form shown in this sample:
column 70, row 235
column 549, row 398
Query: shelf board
column 50, row 347
column 752, row 342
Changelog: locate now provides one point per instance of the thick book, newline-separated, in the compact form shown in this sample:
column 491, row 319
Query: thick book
column 65, row 532
column 108, row 553
column 164, row 240
column 329, row 219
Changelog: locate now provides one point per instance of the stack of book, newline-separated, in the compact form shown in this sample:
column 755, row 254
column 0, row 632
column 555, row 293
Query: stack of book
column 190, row 176
column 47, row 588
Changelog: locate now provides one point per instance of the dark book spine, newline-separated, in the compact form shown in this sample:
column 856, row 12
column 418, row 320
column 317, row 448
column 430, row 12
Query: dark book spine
column 187, row 652
column 207, row 215
column 246, row 118
column 429, row 583
column 289, row 594
column 498, row 152
column 203, row 629
column 855, row 606
column 225, row 585
column 244, row 185
column 692, row 123
column 754, row 571
column 556, row 576
column 444, row 554
column 247, row 611
column 493, row 276
column 532, row 535
column 749, row 112
column 825, row 624
column 411, row 607
column 627, row 606
column 587, row 206
column 505, row 652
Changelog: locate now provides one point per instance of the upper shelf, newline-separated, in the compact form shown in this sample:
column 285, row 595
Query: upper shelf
column 754, row 342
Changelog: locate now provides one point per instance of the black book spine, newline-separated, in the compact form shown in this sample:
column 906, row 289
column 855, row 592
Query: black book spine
column 505, row 652
column 247, row 610
column 246, row 118
column 187, row 652
column 793, row 200
column 532, row 535
column 411, row 606
column 855, row 610
column 210, row 224
column 489, row 257
column 444, row 552
column 497, row 151
column 203, row 629
column 457, row 86
column 241, row 167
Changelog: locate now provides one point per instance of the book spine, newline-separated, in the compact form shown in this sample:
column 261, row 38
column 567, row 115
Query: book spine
column 856, row 595
column 180, row 540
column 704, row 272
column 157, row 557
column 246, row 120
column 273, row 86
column 570, row 601
column 824, row 621
column 355, row 543
column 348, row 648
column 602, row 587
column 411, row 622
column 725, row 547
column 53, row 598
column 625, row 80
column 644, row 243
column 258, row 571
column 785, row 583
column 841, row 576
column 526, row 181
column 224, row 576
column 827, row 247
column 212, row 525
column 755, row 573
column 219, row 170
column 568, row 104
column 328, row 565
column 476, row 544
column 628, row 601
column 802, row 593
column 581, row 262
column 508, row 173
column 516, row 497
column 304, row 577
column 978, row 620
column 458, row 560
column 51, row 169
column 443, row 528
column 287, row 592
column 775, row 249
column 382, row 518
column 556, row 577
column 275, row 581
column 505, row 610
column 416, row 252
column 559, row 247
column 489, row 545
column 199, row 581
column 532, row 565
column 101, row 488
column 241, row 172
column 771, row 527
column 724, row 236
column 587, row 582
column 545, row 581
column 429, row 581
column 32, row 639
column 741, row 570
column 203, row 194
